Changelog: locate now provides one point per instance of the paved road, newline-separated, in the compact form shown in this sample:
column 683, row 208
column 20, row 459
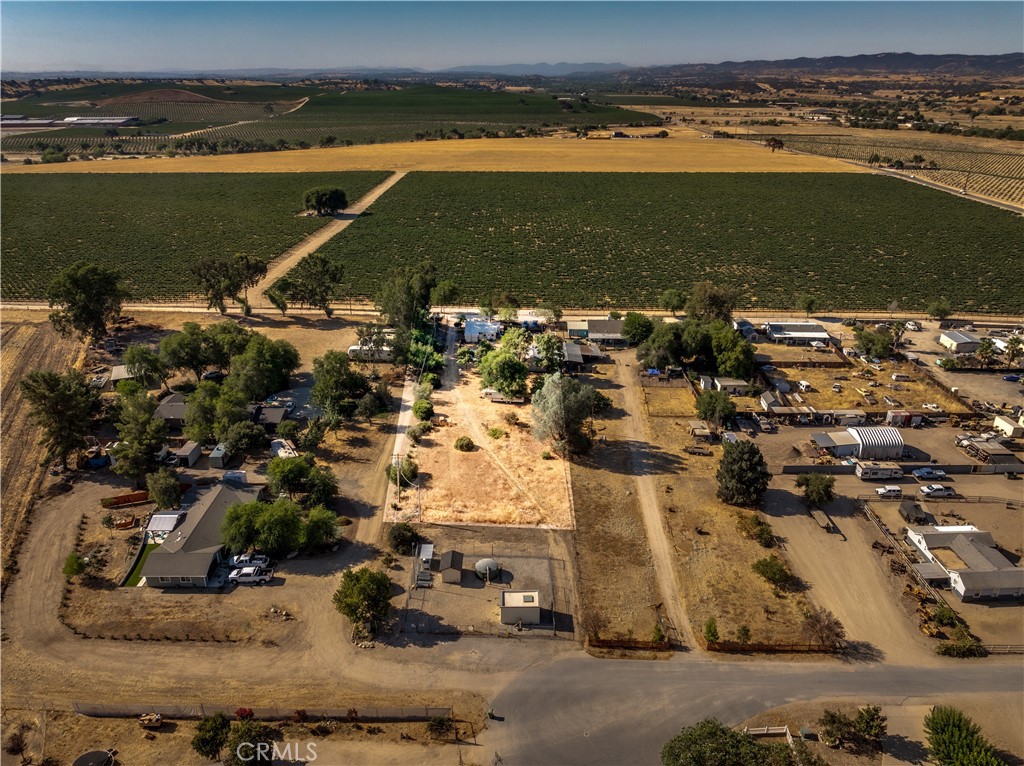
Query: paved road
column 587, row 711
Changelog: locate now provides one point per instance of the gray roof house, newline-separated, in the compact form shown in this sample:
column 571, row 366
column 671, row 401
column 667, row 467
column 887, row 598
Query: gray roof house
column 975, row 566
column 172, row 411
column 188, row 556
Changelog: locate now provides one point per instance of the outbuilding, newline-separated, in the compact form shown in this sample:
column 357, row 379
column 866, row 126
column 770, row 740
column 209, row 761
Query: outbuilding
column 478, row 329
column 732, row 386
column 520, row 606
column 975, row 566
column 219, row 456
column 171, row 410
column 959, row 342
column 450, row 567
column 188, row 454
column 1008, row 426
column 878, row 442
column 797, row 333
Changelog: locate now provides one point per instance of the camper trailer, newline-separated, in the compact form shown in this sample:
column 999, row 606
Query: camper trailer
column 870, row 470
column 496, row 396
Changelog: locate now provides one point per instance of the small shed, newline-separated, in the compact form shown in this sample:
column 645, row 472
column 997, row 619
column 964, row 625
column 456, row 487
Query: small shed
column 219, row 456
column 520, row 606
column 768, row 400
column 912, row 512
column 188, row 455
column 450, row 567
column 732, row 386
column 699, row 430
column 959, row 342
column 903, row 418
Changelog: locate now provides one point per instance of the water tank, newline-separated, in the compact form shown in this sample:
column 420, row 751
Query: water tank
column 487, row 569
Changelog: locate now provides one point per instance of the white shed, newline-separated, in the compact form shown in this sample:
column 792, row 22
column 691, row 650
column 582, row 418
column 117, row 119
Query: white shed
column 520, row 606
column 1008, row 426
column 959, row 342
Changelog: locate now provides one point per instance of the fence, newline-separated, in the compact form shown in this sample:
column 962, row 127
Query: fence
column 735, row 647
column 770, row 731
column 1004, row 648
column 191, row 712
column 629, row 643
column 898, row 550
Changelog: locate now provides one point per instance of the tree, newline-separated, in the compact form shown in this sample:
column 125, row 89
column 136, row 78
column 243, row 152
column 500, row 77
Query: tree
column 986, row 351
column 734, row 355
column 444, row 293
column 869, row 728
column 334, row 382
column 806, row 303
column 315, row 280
column 774, row 143
column 551, row 350
column 62, row 407
column 201, row 412
column 939, row 309
column 559, row 410
column 404, row 297
column 440, row 726
column 73, row 565
column 1014, row 349
column 423, row 409
column 819, row 488
column 710, row 301
column 836, row 727
column 663, row 347
column 549, row 312
column 743, row 474
column 325, row 201
column 504, row 372
column 211, row 736
column 164, row 488
column 321, row 486
column 218, row 280
column 249, row 270
column 364, row 596
column 145, row 364
column 224, row 340
column 242, row 437
column 955, row 740
column 288, row 474
column 743, row 634
column 774, row 570
column 403, row 538
column 238, row 531
column 279, row 528
column 263, row 368
column 711, row 630
column 367, row 407
column 517, row 342
column 141, row 435
column 824, row 626
column 87, row 297
column 672, row 300
column 405, row 472
column 250, row 744
column 716, row 406
column 636, row 327
column 320, row 529
column 708, row 743
column 186, row 350
column 486, row 308
column 875, row 343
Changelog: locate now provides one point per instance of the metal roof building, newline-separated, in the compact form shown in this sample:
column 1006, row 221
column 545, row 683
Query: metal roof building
column 878, row 442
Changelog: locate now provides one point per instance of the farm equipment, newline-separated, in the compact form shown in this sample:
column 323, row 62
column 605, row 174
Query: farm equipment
column 151, row 720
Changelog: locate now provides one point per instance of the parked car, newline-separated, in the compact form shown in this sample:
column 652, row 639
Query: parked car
column 929, row 473
column 215, row 375
column 1012, row 378
column 937, row 490
column 889, row 492
column 251, row 576
column 250, row 560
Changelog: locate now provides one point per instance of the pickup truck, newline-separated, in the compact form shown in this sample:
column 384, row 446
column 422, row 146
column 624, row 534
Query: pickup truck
column 251, row 576
column 937, row 490
column 929, row 474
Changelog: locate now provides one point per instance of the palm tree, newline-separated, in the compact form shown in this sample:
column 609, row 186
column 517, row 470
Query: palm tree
column 986, row 351
column 1014, row 349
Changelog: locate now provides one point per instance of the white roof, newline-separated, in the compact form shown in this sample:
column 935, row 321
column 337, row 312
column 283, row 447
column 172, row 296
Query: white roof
column 165, row 521
column 877, row 436
column 797, row 330
column 520, row 598
column 955, row 336
column 282, row 448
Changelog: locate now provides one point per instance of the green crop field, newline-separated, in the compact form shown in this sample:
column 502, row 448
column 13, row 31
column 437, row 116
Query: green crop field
column 270, row 114
column 152, row 226
column 619, row 240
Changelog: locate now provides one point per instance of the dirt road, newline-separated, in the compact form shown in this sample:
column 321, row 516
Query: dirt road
column 661, row 549
column 285, row 263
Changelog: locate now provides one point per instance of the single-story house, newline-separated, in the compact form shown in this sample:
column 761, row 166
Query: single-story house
column 975, row 567
column 797, row 333
column 450, row 567
column 520, row 606
column 172, row 411
column 732, row 386
column 268, row 417
column 746, row 329
column 959, row 342
column 478, row 329
column 607, row 332
column 191, row 553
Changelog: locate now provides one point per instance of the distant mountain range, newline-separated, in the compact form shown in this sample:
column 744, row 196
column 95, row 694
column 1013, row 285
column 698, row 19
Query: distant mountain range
column 1006, row 64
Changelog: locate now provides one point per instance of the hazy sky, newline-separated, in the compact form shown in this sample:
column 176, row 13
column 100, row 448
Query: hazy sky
column 146, row 36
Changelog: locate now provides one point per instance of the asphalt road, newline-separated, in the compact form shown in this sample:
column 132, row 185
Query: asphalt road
column 582, row 710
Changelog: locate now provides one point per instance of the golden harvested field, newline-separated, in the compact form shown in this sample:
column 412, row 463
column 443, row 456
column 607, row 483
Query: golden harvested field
column 683, row 151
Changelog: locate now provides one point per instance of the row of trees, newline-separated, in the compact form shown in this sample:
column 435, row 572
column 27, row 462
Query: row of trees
column 278, row 528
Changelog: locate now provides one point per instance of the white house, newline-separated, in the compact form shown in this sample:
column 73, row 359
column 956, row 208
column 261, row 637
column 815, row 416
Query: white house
column 732, row 386
column 959, row 342
column 970, row 559
column 478, row 329
column 797, row 333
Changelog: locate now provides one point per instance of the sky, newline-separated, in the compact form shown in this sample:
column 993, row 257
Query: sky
column 151, row 36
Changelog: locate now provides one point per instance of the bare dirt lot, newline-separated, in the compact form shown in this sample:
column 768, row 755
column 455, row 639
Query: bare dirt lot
column 27, row 343
column 503, row 480
column 530, row 559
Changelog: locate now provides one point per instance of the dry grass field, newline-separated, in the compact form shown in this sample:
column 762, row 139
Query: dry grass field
column 683, row 151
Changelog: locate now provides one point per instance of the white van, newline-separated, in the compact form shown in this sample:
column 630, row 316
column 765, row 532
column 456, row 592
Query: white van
column 804, row 386
column 901, row 376
column 889, row 493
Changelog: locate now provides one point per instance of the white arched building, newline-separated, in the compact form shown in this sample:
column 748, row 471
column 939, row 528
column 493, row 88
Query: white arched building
column 863, row 442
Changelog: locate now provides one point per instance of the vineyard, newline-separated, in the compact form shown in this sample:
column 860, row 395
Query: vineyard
column 152, row 227
column 359, row 117
column 854, row 241
column 996, row 174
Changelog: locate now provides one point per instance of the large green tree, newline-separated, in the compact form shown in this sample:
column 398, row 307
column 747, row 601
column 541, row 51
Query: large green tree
column 335, row 382
column 238, row 531
column 819, row 488
column 710, row 301
column 876, row 343
column 743, row 474
column 218, row 279
column 223, row 340
column 955, row 740
column 716, row 406
column 265, row 367
column 211, row 736
column 734, row 355
column 551, row 350
column 504, row 372
column 63, row 408
column 164, row 488
column 939, row 309
column 201, row 412
column 708, row 743
column 87, row 298
column 636, row 327
column 325, row 200
column 144, row 364
column 404, row 302
column 249, row 270
column 364, row 596
column 288, row 474
column 560, row 408
column 321, row 528
column 141, row 436
column 315, row 281
column 672, row 300
column 186, row 350
column 279, row 528
column 250, row 744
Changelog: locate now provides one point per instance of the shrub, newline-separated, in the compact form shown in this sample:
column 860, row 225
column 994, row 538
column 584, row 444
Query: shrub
column 431, row 378
column 743, row 634
column 464, row 444
column 403, row 538
column 495, row 433
column 944, row 616
column 73, row 565
column 659, row 633
column 408, row 471
column 15, row 744
column 546, row 455
column 511, row 418
column 424, row 391
column 711, row 630
column 423, row 409
column 774, row 570
column 754, row 527
column 244, row 713
column 418, row 431
column 440, row 726
column 211, row 736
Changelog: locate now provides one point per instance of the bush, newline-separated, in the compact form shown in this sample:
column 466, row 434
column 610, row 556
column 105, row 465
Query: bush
column 424, row 391
column 511, row 418
column 754, row 527
column 495, row 433
column 403, row 538
column 288, row 429
column 545, row 455
column 15, row 744
column 73, row 565
column 409, row 471
column 464, row 444
column 711, row 630
column 440, row 726
column 774, row 570
column 423, row 409
column 211, row 736
column 659, row 633
column 944, row 616
column 431, row 379
column 419, row 430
